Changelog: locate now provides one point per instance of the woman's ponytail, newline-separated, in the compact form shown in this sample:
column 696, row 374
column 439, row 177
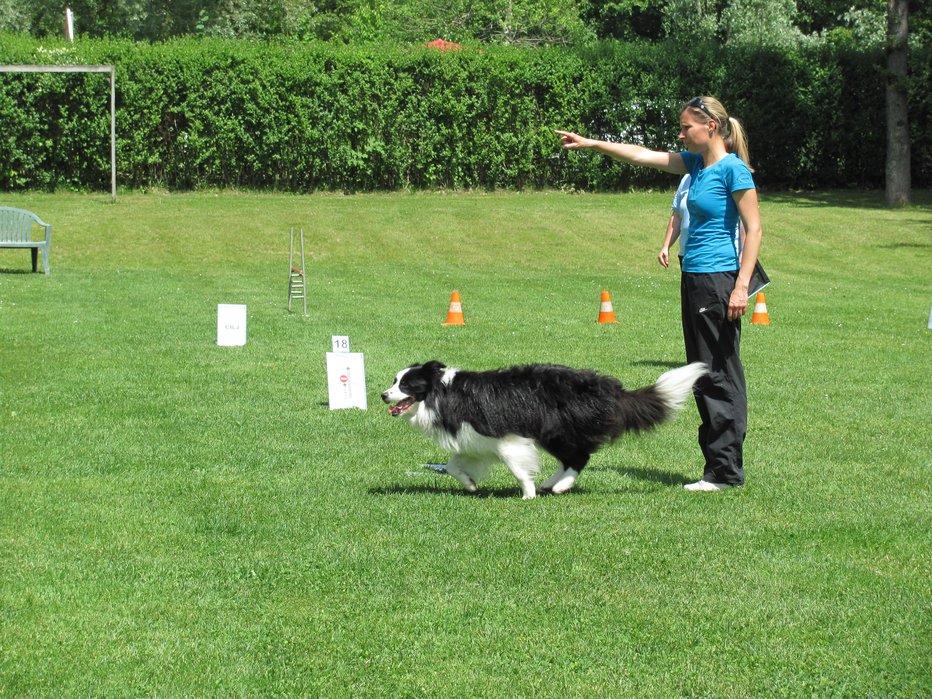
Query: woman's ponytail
column 737, row 141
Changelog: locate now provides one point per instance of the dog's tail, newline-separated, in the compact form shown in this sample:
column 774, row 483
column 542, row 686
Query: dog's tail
column 675, row 386
column 647, row 407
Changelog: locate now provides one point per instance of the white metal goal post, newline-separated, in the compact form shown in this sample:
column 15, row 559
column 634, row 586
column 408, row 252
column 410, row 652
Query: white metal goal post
column 83, row 69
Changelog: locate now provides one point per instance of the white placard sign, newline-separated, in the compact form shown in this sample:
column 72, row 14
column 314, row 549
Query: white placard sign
column 231, row 324
column 340, row 343
column 346, row 380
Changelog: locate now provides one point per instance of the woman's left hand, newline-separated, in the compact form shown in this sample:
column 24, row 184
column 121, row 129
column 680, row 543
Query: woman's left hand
column 573, row 141
column 737, row 304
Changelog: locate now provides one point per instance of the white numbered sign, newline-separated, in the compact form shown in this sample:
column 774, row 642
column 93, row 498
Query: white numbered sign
column 346, row 380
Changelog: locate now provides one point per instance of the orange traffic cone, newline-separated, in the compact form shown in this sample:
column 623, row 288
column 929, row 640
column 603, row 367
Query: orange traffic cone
column 606, row 314
column 760, row 317
column 455, row 314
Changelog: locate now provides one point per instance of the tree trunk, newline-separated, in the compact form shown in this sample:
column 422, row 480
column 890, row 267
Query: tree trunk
column 897, row 169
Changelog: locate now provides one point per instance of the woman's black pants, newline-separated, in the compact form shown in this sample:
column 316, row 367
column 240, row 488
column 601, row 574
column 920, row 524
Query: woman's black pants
column 721, row 396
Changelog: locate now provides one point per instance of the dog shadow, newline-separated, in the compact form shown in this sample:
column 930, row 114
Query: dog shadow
column 484, row 492
column 508, row 493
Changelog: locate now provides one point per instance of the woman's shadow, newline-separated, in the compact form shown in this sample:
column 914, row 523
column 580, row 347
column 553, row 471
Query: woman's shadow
column 652, row 475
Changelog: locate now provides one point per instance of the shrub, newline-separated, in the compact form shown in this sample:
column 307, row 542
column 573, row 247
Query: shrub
column 305, row 117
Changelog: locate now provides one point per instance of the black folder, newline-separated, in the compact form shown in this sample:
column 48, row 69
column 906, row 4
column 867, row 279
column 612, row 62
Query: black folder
column 759, row 279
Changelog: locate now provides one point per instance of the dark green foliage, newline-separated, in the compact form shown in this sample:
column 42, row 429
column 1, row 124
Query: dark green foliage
column 306, row 117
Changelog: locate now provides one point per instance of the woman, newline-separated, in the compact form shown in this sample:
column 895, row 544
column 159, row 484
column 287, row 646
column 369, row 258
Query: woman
column 716, row 271
column 678, row 225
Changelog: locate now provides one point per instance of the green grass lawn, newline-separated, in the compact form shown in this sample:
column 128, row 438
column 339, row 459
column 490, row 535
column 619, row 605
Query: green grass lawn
column 178, row 518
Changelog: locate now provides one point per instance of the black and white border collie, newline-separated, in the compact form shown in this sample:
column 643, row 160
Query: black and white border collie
column 507, row 414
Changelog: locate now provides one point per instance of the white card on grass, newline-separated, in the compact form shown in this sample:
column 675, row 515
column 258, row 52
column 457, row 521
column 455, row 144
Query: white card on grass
column 231, row 324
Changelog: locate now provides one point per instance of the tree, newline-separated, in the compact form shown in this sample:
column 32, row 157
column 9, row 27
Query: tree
column 898, row 151
column 760, row 22
column 494, row 21
column 536, row 21
column 13, row 16
column 692, row 20
column 624, row 19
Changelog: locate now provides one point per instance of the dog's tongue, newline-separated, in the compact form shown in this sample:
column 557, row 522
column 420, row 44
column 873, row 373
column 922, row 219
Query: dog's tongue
column 400, row 407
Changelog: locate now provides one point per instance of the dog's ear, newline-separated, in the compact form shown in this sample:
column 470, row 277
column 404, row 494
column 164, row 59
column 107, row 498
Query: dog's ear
column 432, row 364
column 434, row 370
column 420, row 379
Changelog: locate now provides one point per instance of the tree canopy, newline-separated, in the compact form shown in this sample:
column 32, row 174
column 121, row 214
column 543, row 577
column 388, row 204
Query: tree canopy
column 771, row 22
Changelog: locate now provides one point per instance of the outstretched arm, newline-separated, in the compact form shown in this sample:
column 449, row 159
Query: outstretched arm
column 626, row 152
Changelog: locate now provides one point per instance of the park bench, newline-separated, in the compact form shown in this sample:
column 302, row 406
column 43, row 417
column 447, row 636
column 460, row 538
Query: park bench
column 16, row 232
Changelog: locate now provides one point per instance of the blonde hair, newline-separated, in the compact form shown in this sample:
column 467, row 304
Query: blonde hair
column 706, row 109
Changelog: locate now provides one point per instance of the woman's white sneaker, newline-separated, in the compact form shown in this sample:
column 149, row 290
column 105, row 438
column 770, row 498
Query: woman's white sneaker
column 707, row 486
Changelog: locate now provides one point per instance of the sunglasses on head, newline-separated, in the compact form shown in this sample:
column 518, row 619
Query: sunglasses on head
column 697, row 103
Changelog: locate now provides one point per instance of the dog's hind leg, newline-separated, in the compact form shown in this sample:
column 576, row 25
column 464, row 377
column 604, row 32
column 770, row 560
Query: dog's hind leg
column 521, row 457
column 571, row 465
column 560, row 482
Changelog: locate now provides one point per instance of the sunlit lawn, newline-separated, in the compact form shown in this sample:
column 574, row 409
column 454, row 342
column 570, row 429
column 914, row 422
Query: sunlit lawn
column 178, row 518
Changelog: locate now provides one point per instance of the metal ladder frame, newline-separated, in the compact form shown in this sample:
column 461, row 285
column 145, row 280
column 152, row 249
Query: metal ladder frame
column 297, row 281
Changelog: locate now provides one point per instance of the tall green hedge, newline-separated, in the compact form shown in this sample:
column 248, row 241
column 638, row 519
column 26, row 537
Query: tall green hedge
column 305, row 117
